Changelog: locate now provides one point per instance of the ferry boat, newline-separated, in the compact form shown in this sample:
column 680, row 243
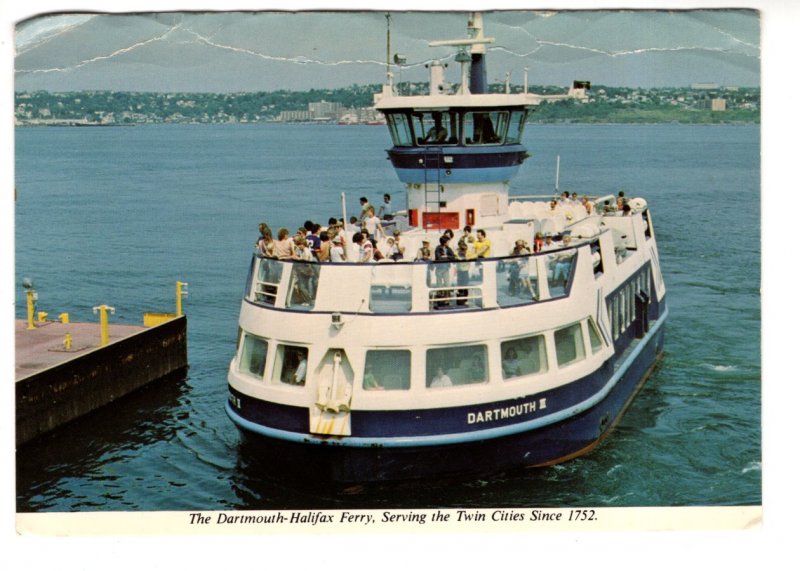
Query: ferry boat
column 416, row 368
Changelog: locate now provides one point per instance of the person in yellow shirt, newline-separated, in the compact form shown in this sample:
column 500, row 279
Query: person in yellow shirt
column 483, row 246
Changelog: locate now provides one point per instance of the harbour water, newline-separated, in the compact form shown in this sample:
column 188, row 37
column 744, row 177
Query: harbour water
column 116, row 215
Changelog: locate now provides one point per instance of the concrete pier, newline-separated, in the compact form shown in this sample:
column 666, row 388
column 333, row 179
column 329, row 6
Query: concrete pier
column 56, row 383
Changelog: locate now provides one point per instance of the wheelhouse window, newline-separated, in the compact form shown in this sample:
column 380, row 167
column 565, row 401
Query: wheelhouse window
column 569, row 345
column 253, row 357
column 435, row 127
column 526, row 356
column 388, row 370
column 400, row 129
column 291, row 365
column 516, row 126
column 485, row 128
column 450, row 366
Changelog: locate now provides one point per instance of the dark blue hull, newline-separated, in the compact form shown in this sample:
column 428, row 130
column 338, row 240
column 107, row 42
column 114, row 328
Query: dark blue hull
column 541, row 446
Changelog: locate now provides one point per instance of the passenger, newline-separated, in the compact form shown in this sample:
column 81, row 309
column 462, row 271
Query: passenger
column 626, row 209
column 563, row 263
column 586, row 204
column 477, row 372
column 392, row 250
column 301, row 250
column 443, row 253
column 284, row 247
column 372, row 224
column 377, row 255
column 463, row 254
column 441, row 379
column 538, row 242
column 609, row 208
column 386, row 212
column 424, row 254
column 574, row 199
column 563, row 200
column 299, row 375
column 265, row 245
column 467, row 235
column 337, row 250
column 370, row 382
column 398, row 250
column 621, row 200
column 437, row 133
column 324, row 254
column 365, row 205
column 524, row 272
column 511, row 367
column 548, row 243
column 313, row 239
column 483, row 246
column 353, row 226
column 365, row 252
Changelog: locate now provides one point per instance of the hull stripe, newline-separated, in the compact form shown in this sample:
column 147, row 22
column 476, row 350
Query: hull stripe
column 459, row 438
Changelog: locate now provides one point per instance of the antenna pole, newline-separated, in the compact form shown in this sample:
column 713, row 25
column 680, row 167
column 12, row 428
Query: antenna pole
column 558, row 169
column 388, row 45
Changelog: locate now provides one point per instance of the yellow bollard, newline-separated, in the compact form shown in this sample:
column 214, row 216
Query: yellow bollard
column 104, row 309
column 42, row 316
column 30, row 295
column 64, row 317
column 67, row 341
column 179, row 294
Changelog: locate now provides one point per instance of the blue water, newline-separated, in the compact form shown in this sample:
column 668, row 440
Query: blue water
column 117, row 215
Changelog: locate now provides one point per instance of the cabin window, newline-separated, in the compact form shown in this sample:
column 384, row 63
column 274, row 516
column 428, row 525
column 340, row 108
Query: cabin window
column 387, row 370
column 526, row 356
column 267, row 280
column 454, row 285
column 517, row 281
column 253, row 357
column 515, row 127
column 559, row 270
column 450, row 366
column 303, row 285
column 569, row 345
column 400, row 130
column 435, row 128
column 482, row 128
column 595, row 340
column 291, row 365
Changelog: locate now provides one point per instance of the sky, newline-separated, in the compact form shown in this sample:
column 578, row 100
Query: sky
column 204, row 51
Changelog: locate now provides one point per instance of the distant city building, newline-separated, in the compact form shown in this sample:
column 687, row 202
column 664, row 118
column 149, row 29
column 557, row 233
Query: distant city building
column 290, row 116
column 705, row 86
column 324, row 110
column 718, row 104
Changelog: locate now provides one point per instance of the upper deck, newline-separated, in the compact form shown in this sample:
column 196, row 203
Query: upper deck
column 588, row 249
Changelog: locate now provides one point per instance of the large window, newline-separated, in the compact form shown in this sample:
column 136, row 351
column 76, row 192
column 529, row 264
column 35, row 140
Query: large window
column 400, row 129
column 451, row 366
column 569, row 345
column 435, row 128
column 390, row 290
column 521, row 357
column 515, row 127
column 303, row 285
column 388, row 370
column 291, row 365
column 485, row 128
column 267, row 280
column 517, row 281
column 253, row 356
column 559, row 271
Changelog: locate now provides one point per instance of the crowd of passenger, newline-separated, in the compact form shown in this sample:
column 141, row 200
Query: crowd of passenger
column 373, row 237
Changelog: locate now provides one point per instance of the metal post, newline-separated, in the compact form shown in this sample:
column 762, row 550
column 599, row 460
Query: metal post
column 104, row 309
column 30, row 296
column 179, row 294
